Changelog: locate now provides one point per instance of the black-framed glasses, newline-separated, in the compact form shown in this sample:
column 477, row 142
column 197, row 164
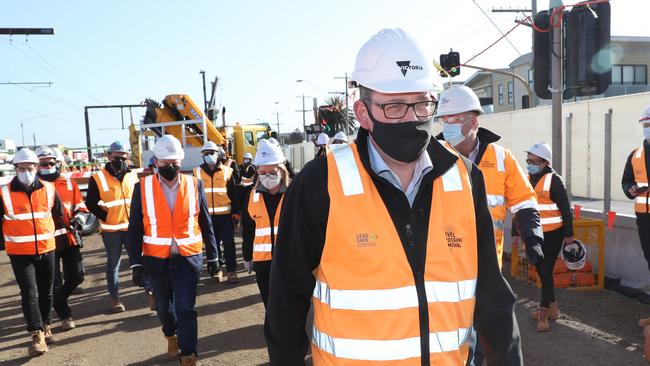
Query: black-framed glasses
column 47, row 164
column 422, row 109
column 534, row 162
column 270, row 175
column 120, row 158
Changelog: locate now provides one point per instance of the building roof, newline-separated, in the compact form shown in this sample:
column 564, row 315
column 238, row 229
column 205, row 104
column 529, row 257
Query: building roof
column 476, row 77
column 526, row 58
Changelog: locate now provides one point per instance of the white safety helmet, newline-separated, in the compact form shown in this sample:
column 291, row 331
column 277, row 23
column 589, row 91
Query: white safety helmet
column 322, row 139
column 269, row 152
column 392, row 62
column 340, row 136
column 645, row 117
column 574, row 255
column 168, row 148
column 542, row 150
column 25, row 155
column 59, row 155
column 210, row 146
column 248, row 156
column 458, row 99
column 45, row 152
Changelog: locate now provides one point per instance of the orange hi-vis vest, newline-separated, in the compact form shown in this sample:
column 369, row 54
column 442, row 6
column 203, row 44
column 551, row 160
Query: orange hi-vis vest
column 549, row 213
column 264, row 231
column 162, row 226
column 506, row 186
column 72, row 203
column 27, row 225
column 216, row 189
column 115, row 197
column 642, row 201
column 366, row 307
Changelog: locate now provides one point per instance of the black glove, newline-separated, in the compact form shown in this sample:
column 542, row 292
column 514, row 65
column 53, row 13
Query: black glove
column 213, row 268
column 534, row 253
column 137, row 276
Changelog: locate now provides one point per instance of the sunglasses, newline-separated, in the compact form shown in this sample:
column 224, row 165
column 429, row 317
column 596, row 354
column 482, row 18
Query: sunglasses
column 48, row 164
column 120, row 158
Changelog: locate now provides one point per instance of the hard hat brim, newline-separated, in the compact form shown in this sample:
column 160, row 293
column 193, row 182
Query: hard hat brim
column 398, row 86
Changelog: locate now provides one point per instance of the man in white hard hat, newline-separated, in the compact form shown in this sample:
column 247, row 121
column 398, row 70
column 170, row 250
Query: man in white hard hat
column 224, row 205
column 340, row 138
column 390, row 237
column 30, row 213
column 168, row 226
column 321, row 144
column 248, row 173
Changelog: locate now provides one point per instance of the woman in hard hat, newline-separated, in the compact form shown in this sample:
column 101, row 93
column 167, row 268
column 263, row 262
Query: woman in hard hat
column 339, row 138
column 321, row 144
column 557, row 224
column 261, row 208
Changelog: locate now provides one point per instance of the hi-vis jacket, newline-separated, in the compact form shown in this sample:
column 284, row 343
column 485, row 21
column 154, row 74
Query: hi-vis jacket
column 72, row 204
column 391, row 284
column 218, row 187
column 115, row 199
column 549, row 212
column 29, row 220
column 265, row 233
column 642, row 201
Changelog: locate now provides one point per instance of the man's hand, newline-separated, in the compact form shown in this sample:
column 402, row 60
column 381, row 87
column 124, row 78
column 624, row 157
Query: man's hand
column 632, row 191
column 137, row 276
column 568, row 240
column 249, row 266
column 213, row 268
column 534, row 253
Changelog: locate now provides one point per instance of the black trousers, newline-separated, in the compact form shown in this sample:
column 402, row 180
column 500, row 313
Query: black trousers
column 35, row 277
column 263, row 275
column 552, row 245
column 224, row 232
column 67, row 280
column 643, row 225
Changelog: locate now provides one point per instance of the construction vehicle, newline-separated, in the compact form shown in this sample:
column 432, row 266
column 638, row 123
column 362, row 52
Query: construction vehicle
column 178, row 115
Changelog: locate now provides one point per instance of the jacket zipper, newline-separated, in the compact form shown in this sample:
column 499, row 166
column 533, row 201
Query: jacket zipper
column 34, row 223
column 423, row 305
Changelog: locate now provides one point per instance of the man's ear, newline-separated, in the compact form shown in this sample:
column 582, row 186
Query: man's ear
column 361, row 112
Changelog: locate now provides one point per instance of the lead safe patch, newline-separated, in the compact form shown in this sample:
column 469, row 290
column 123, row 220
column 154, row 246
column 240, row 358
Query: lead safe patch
column 405, row 66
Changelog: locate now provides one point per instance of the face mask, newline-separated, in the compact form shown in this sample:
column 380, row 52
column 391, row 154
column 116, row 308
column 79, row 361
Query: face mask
column 26, row 178
column 118, row 165
column 47, row 171
column 404, row 141
column 247, row 161
column 210, row 159
column 533, row 169
column 270, row 181
column 646, row 133
column 169, row 172
column 453, row 133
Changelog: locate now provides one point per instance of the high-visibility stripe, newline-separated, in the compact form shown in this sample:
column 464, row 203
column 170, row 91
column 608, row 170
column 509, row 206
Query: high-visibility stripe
column 68, row 183
column 191, row 198
column 451, row 180
column 547, row 181
column 102, row 180
column 115, row 203
column 388, row 350
column 151, row 207
column 156, row 240
column 256, row 196
column 495, row 200
column 7, row 200
column 265, row 248
column 60, row 232
column 531, row 203
column 216, row 190
column 265, row 231
column 641, row 184
column 80, row 206
column 219, row 209
column 191, row 240
column 643, row 200
column 29, row 238
column 115, row 227
column 348, row 171
column 551, row 220
column 549, row 207
column 638, row 153
column 396, row 298
column 28, row 216
column 500, row 157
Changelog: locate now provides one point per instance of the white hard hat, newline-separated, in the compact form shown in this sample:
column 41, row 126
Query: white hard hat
column 645, row 118
column 269, row 153
column 248, row 156
column 542, row 150
column 392, row 62
column 59, row 154
column 340, row 136
column 25, row 155
column 322, row 139
column 574, row 255
column 210, row 146
column 45, row 152
column 168, row 148
column 458, row 99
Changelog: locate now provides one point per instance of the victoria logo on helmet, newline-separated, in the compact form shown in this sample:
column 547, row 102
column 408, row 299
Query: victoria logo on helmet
column 405, row 66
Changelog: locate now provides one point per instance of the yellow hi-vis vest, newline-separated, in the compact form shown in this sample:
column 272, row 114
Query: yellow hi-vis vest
column 216, row 189
column 262, row 244
column 115, row 197
column 365, row 299
column 549, row 213
column 642, row 201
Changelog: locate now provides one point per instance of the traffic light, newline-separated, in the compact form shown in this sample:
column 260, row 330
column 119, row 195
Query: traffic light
column 444, row 65
column 450, row 63
column 588, row 64
column 542, row 44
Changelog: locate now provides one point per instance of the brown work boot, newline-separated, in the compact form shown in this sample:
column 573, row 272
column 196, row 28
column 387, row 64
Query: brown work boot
column 67, row 324
column 232, row 277
column 542, row 320
column 172, row 346
column 117, row 306
column 644, row 322
column 47, row 332
column 188, row 360
column 219, row 276
column 554, row 313
column 151, row 299
column 38, row 345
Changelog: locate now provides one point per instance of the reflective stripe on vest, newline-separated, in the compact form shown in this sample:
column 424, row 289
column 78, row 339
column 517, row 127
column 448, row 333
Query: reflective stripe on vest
column 366, row 303
column 263, row 241
column 216, row 189
column 115, row 197
column 549, row 213
column 28, row 227
column 642, row 201
column 162, row 227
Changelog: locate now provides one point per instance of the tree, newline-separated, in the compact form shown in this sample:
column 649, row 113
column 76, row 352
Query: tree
column 332, row 115
column 295, row 137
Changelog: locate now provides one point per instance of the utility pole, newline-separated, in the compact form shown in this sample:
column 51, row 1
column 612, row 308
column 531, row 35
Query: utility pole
column 34, row 137
column 557, row 83
column 205, row 95
column 22, row 133
column 303, row 110
column 347, row 111
column 277, row 119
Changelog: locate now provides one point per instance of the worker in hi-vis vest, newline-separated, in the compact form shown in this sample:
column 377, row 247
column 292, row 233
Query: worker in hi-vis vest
column 389, row 237
column 168, row 227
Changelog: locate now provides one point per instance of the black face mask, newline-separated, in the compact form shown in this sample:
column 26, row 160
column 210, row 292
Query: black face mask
column 118, row 165
column 50, row 177
column 169, row 172
column 404, row 141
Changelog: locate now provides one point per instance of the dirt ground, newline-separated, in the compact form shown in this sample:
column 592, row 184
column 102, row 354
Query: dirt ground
column 596, row 327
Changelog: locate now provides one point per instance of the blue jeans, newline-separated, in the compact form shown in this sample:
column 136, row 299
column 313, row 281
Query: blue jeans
column 113, row 243
column 174, row 282
column 224, row 231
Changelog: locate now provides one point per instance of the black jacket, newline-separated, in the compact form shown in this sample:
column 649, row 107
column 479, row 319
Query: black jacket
column 628, row 179
column 558, row 194
column 232, row 188
column 301, row 237
column 92, row 194
column 57, row 209
column 271, row 201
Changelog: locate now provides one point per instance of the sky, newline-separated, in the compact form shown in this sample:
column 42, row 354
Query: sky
column 121, row 52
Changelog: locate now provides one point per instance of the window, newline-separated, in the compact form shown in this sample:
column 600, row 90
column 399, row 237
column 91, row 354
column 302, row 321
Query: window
column 261, row 135
column 530, row 76
column 248, row 138
column 629, row 74
column 511, row 92
column 500, row 89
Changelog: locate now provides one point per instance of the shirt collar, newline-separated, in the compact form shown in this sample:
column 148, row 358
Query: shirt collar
column 379, row 166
